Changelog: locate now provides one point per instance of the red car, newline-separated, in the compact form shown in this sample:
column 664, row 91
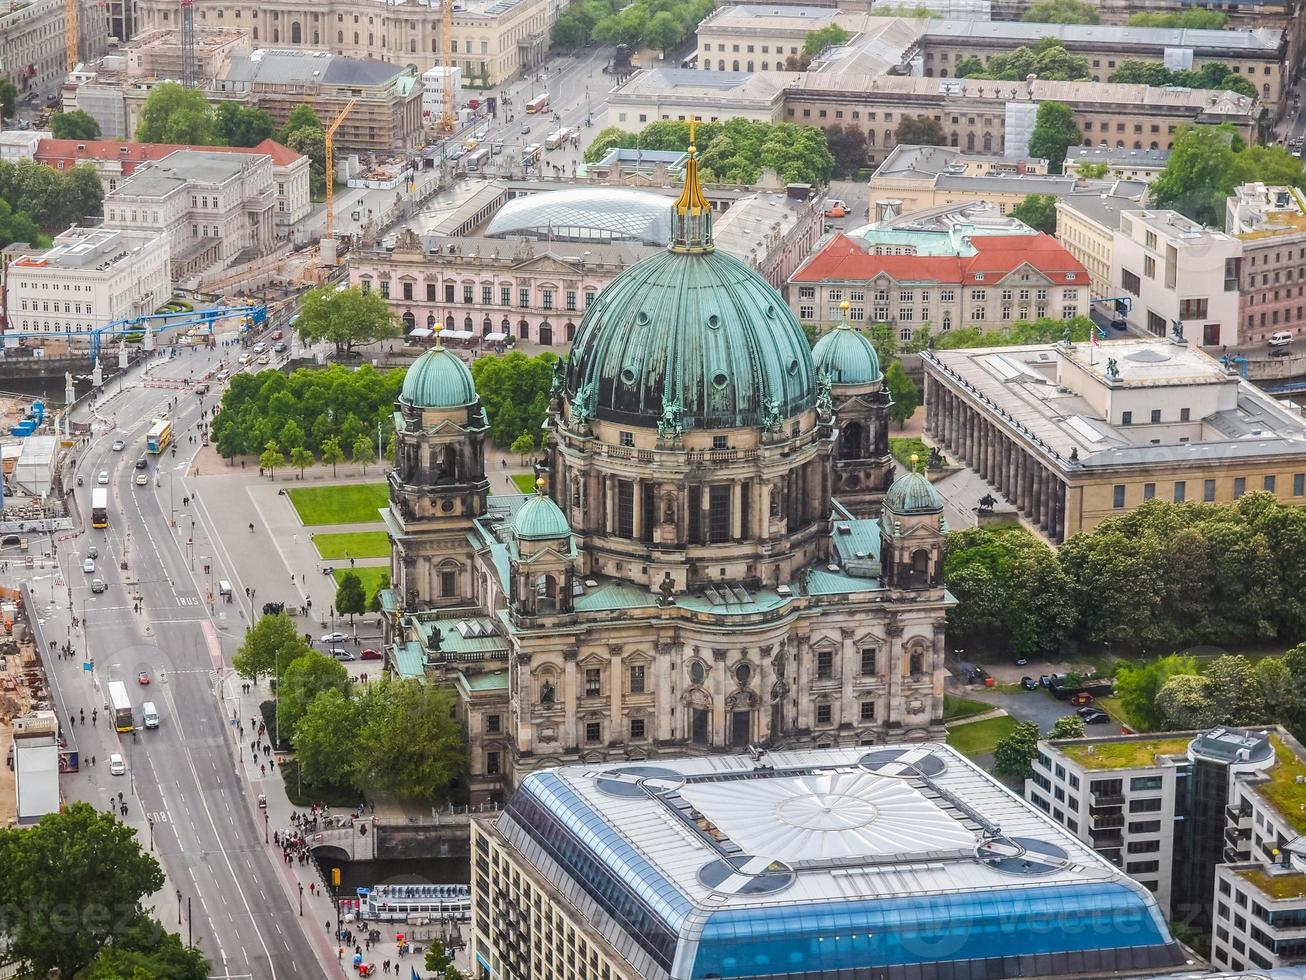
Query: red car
column 277, row 335
column 370, row 654
column 143, row 677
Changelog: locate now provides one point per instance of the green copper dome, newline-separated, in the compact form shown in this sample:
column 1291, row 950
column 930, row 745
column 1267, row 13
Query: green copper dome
column 540, row 519
column 847, row 357
column 694, row 329
column 912, row 493
column 438, row 379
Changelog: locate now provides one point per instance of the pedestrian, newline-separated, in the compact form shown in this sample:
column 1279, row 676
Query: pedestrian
column 263, row 770
column 92, row 762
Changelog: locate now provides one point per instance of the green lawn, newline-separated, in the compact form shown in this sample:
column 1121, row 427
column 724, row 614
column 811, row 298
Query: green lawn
column 348, row 503
column 353, row 544
column 525, row 482
column 904, row 447
column 1130, row 754
column 370, row 576
column 981, row 737
column 955, row 707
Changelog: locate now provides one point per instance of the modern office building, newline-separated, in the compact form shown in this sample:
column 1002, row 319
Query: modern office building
column 1073, row 433
column 992, row 281
column 1210, row 821
column 1270, row 225
column 676, row 585
column 886, row 862
column 1087, row 222
column 87, row 278
column 1177, row 273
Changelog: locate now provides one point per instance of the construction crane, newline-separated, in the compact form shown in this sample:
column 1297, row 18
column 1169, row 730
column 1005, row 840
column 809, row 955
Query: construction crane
column 157, row 323
column 70, row 35
column 331, row 166
column 447, row 121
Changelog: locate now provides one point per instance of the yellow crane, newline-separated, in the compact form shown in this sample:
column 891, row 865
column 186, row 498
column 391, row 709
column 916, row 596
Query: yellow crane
column 70, row 35
column 447, row 122
column 331, row 167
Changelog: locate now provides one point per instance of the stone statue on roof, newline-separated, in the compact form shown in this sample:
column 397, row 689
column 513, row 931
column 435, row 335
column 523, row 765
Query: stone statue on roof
column 582, row 406
column 1112, row 368
column 824, row 403
column 670, row 425
column 667, row 591
column 1177, row 329
column 771, row 417
column 559, row 378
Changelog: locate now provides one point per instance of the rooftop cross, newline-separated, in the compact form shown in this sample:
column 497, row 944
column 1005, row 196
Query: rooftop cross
column 691, row 215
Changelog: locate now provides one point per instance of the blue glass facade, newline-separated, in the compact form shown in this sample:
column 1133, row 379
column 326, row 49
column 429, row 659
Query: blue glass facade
column 819, row 940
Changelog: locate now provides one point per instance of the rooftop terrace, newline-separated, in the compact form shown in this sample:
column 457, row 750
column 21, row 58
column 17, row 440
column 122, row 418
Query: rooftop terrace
column 1126, row 753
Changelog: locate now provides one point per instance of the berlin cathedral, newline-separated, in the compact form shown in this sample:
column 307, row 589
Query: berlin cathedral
column 716, row 557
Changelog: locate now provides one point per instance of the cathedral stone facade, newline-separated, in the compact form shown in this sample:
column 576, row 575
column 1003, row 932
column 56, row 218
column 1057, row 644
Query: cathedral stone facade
column 699, row 570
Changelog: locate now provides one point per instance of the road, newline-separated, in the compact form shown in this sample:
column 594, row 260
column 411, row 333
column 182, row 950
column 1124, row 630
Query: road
column 182, row 778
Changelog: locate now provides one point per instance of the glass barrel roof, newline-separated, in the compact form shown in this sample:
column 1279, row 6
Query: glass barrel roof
column 596, row 215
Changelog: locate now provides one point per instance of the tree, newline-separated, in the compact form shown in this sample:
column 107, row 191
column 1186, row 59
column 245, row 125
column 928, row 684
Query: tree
column 606, row 140
column 17, row 227
column 847, row 145
column 440, row 964
column 374, row 601
column 304, row 679
column 1199, row 174
column 523, row 446
column 570, row 30
column 1011, row 592
column 271, row 458
column 300, row 117
column 664, row 32
column 1060, row 12
column 270, row 646
column 408, row 744
column 1138, row 683
column 144, row 950
column 332, row 454
column 8, row 99
column 904, row 393
column 345, row 317
column 76, row 125
column 239, row 125
column 920, row 131
column 173, row 114
column 1039, row 211
column 1232, row 684
column 1054, row 132
column 514, row 391
column 1194, row 17
column 312, row 144
column 1212, row 75
column 361, row 451
column 1048, row 59
column 300, row 458
column 1013, row 756
column 1067, row 726
column 350, row 598
column 1184, row 703
column 325, row 739
column 1276, row 690
column 55, row 918
column 1092, row 171
column 832, row 35
column 52, row 199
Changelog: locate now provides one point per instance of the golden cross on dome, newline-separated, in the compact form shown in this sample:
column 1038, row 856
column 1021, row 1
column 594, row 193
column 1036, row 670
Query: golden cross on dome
column 693, row 123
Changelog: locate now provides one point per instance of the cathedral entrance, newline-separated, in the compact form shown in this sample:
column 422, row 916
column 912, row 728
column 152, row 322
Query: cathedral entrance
column 739, row 728
column 698, row 726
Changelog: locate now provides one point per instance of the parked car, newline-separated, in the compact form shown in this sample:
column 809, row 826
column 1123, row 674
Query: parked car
column 836, row 209
column 336, row 637
column 1280, row 338
column 1045, row 680
column 1081, row 699
column 370, row 654
column 1094, row 716
column 1028, row 683
column 1021, row 661
column 340, row 653
column 119, row 445
column 116, row 766
column 88, row 566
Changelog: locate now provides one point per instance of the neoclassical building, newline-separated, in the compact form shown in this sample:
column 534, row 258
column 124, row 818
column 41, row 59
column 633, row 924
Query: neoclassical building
column 689, row 576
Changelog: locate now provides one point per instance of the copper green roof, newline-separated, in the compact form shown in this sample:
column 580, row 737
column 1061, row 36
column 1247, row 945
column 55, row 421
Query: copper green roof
column 694, row 329
column 438, row 379
column 912, row 493
column 847, row 356
column 540, row 519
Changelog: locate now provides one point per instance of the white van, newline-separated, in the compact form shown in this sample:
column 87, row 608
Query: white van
column 1280, row 338
column 150, row 714
column 224, row 589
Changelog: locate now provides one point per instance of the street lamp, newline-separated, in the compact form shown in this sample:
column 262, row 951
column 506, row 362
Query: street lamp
column 178, row 906
column 150, row 820
column 301, row 898
column 265, row 826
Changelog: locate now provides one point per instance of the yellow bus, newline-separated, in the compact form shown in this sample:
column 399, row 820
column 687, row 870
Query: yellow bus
column 160, row 434
column 100, row 507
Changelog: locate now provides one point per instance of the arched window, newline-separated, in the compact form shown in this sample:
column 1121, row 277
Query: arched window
column 523, row 330
column 988, row 142
column 720, row 65
column 970, row 142
column 850, row 441
column 296, row 33
column 430, row 321
column 571, row 331
column 467, row 324
column 340, row 37
column 448, row 322
column 734, row 66
column 546, row 333
column 487, row 326
column 276, row 35
column 409, row 320
column 505, row 327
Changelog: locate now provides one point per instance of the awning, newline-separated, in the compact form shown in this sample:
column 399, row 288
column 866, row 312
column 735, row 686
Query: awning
column 458, row 334
column 495, row 338
column 419, row 332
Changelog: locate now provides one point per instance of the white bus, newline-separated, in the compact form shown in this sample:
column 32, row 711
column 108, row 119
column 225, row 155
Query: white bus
column 100, row 507
column 478, row 161
column 122, row 707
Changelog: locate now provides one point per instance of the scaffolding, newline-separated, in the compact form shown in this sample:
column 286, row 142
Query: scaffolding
column 188, row 79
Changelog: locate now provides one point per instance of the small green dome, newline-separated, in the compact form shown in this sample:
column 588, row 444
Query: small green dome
column 540, row 519
column 438, row 379
column 912, row 493
column 847, row 356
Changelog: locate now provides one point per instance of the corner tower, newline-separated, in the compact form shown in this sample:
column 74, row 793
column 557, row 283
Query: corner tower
column 438, row 485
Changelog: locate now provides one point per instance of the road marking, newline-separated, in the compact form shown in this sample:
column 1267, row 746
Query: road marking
column 159, row 816
column 188, row 600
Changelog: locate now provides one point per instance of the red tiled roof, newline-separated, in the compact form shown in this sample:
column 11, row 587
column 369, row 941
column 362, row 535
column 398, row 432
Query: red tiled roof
column 134, row 154
column 844, row 260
